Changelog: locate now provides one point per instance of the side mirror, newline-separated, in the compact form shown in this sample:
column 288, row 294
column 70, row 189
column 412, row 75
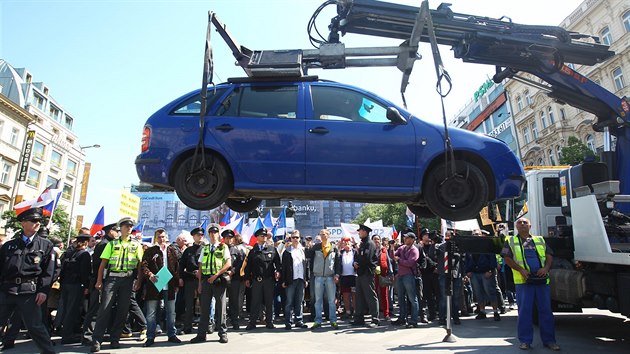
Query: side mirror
column 394, row 116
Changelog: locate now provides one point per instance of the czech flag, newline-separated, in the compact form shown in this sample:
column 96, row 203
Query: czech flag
column 99, row 222
column 47, row 201
column 250, row 233
column 394, row 232
column 226, row 218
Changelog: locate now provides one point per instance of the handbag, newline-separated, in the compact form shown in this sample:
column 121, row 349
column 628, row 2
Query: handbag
column 384, row 281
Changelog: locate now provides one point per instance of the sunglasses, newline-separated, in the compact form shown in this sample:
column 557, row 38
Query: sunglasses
column 295, row 236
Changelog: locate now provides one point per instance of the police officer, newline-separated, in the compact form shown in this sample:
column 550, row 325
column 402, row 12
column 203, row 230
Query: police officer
column 110, row 233
column 121, row 258
column 74, row 278
column 26, row 271
column 188, row 267
column 236, row 289
column 214, row 264
column 365, row 262
column 261, row 272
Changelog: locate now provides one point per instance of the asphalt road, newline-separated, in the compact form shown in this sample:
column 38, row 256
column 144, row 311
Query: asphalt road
column 590, row 332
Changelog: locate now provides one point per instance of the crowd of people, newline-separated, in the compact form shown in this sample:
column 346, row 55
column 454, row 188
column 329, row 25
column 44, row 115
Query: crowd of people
column 116, row 285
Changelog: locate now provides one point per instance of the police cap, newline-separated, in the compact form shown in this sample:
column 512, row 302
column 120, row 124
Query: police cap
column 213, row 228
column 261, row 232
column 108, row 228
column 227, row 233
column 197, row 230
column 82, row 238
column 32, row 214
column 363, row 227
column 126, row 221
column 424, row 231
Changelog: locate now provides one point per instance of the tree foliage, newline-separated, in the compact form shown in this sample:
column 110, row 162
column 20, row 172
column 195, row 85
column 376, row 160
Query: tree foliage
column 576, row 152
column 392, row 214
column 61, row 226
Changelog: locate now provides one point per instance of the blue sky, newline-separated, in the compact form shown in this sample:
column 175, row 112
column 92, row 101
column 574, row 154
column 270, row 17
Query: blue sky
column 112, row 63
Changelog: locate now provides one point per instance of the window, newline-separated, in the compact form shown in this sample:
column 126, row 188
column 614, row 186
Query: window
column 68, row 122
column 330, row 103
column 33, row 178
column 605, row 36
column 55, row 113
column 552, row 157
column 71, row 168
column 543, row 119
column 38, row 101
column 563, row 115
column 181, row 220
column 590, row 142
column 528, row 98
column 66, row 193
column 551, row 191
column 541, row 162
column 618, row 78
column 15, row 136
column 193, row 219
column 261, row 102
column 55, row 159
column 193, row 104
column 519, row 103
column 534, row 130
column 51, row 181
column 626, row 20
column 552, row 118
column 39, row 150
column 5, row 174
column 526, row 135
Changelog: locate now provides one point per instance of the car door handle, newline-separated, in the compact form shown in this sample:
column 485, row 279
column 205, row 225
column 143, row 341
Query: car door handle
column 224, row 127
column 318, row 130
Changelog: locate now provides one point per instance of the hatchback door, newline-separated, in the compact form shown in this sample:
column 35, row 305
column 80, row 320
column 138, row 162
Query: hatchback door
column 350, row 142
column 261, row 131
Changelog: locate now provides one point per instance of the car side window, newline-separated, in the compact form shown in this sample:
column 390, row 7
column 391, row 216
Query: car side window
column 332, row 103
column 193, row 104
column 261, row 101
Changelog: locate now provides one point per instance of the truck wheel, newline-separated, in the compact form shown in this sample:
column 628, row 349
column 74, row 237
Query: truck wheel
column 243, row 205
column 203, row 188
column 457, row 197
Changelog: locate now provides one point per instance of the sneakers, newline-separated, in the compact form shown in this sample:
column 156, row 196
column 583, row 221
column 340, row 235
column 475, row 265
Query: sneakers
column 174, row 339
column 149, row 342
column 126, row 335
column 399, row 322
column 223, row 338
column 143, row 335
column 316, row 325
column 481, row 316
column 300, row 325
column 96, row 347
column 372, row 325
column 334, row 325
column 412, row 325
column 524, row 346
column 497, row 317
column 552, row 346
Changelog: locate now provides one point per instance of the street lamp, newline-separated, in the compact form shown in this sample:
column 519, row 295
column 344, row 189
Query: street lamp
column 89, row 146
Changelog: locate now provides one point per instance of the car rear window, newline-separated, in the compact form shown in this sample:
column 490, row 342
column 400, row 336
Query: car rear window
column 193, row 104
column 261, row 101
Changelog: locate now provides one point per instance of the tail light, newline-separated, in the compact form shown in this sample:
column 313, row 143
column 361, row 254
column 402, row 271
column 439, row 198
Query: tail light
column 146, row 138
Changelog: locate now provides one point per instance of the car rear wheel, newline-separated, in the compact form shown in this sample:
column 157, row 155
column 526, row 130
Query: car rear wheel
column 243, row 205
column 457, row 197
column 203, row 188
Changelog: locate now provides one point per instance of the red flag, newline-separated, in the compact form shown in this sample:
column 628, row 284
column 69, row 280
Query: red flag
column 99, row 222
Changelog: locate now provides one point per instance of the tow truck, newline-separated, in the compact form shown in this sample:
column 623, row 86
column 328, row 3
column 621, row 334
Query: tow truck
column 583, row 211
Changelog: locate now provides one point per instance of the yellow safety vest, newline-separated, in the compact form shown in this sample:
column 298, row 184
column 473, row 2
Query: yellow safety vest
column 123, row 258
column 212, row 262
column 519, row 255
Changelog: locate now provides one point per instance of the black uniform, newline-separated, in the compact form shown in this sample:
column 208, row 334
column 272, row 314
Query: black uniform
column 367, row 300
column 262, row 263
column 25, row 270
column 236, row 290
column 94, row 301
column 188, row 264
column 76, row 268
column 431, row 285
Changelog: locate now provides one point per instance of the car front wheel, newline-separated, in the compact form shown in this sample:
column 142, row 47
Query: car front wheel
column 202, row 187
column 243, row 205
column 456, row 196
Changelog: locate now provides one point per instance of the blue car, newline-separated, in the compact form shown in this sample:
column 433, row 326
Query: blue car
column 316, row 139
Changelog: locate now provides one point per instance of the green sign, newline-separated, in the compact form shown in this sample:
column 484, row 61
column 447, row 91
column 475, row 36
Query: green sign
column 483, row 89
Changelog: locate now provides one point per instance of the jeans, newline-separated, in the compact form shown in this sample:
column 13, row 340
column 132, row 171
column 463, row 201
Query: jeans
column 293, row 302
column 329, row 284
column 407, row 288
column 169, row 309
column 526, row 296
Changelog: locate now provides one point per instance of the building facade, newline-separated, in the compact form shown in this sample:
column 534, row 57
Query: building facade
column 544, row 126
column 56, row 156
